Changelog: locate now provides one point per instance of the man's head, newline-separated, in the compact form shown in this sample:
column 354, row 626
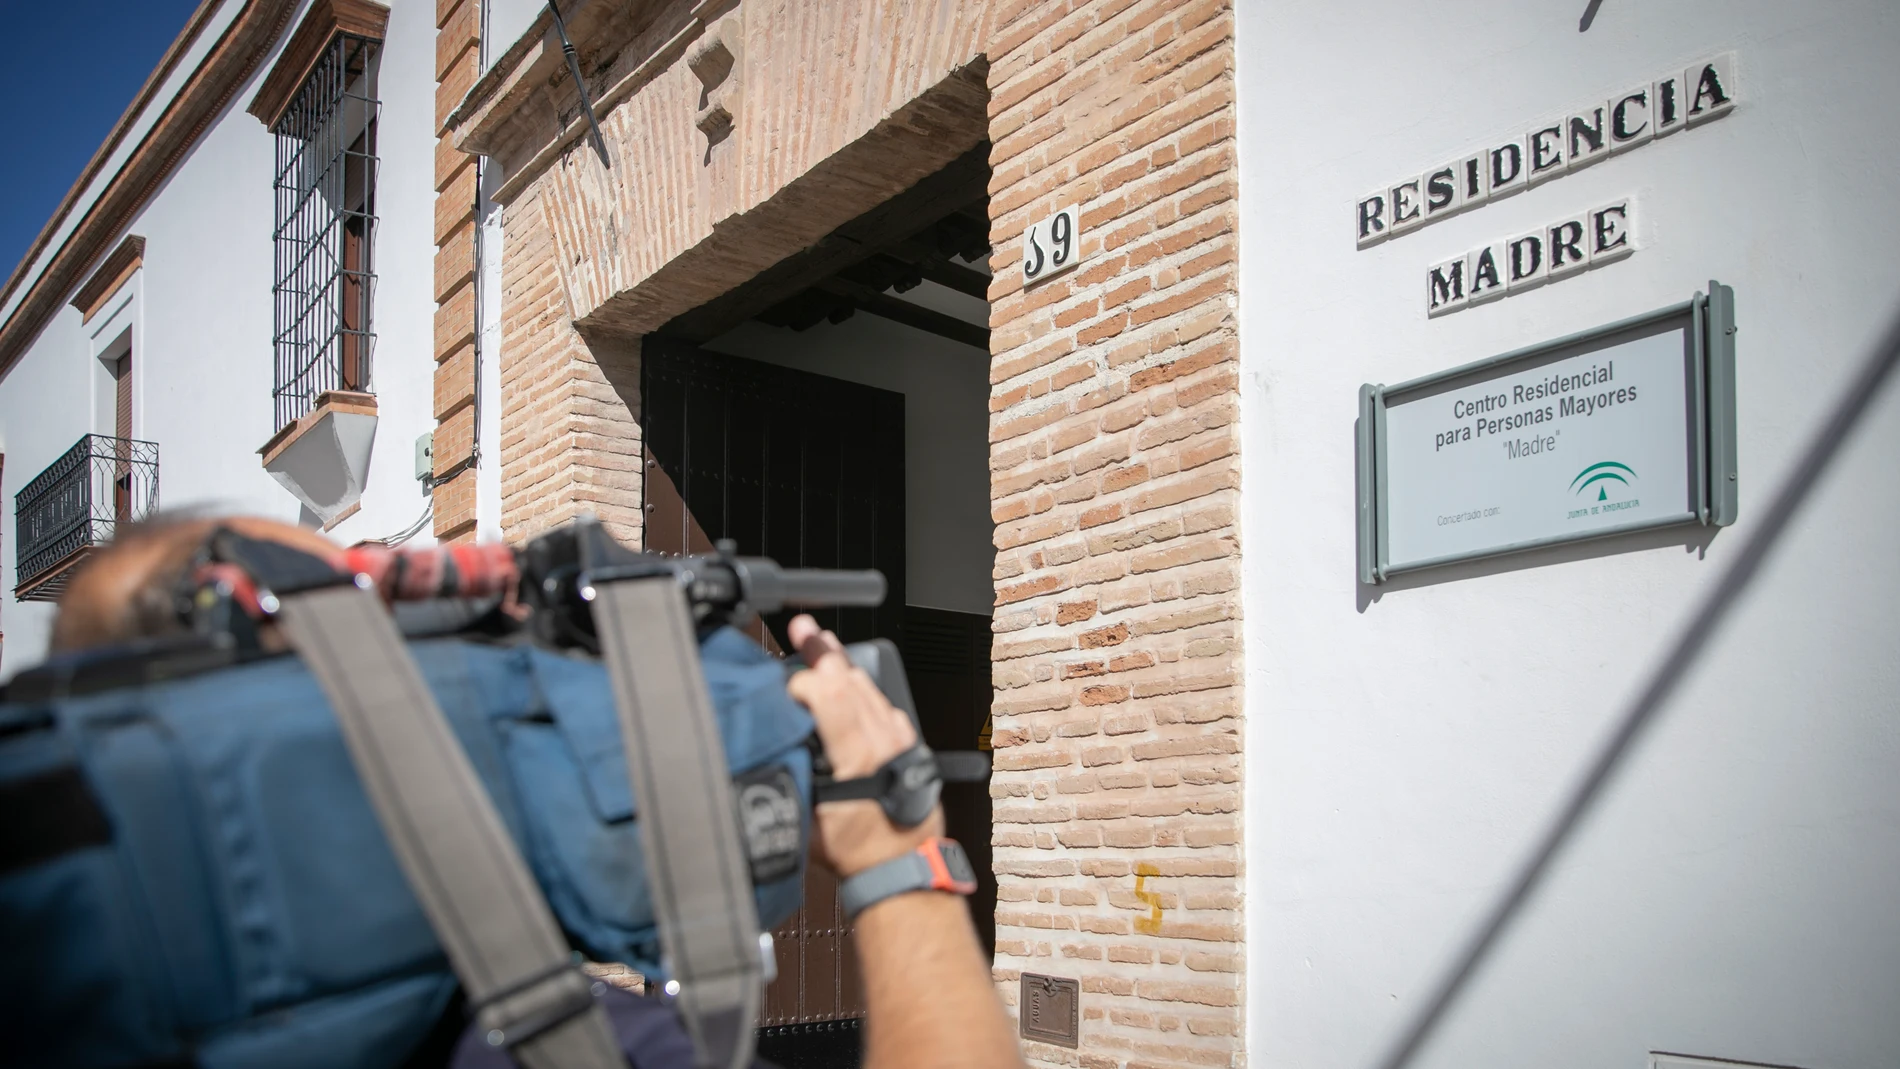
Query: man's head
column 128, row 589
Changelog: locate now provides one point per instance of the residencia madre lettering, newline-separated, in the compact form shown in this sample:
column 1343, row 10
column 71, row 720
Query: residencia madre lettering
column 1505, row 414
column 1676, row 100
column 1552, row 253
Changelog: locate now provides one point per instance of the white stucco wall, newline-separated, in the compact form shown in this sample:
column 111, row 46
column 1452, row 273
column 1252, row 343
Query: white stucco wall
column 507, row 20
column 1733, row 895
column 947, row 534
column 488, row 353
column 202, row 357
column 404, row 373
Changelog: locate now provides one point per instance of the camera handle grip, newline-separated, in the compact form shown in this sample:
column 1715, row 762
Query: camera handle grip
column 880, row 660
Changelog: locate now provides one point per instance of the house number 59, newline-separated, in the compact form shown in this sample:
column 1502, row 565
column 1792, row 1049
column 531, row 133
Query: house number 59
column 1051, row 246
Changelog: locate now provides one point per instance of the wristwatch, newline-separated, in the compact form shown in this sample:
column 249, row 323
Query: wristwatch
column 936, row 865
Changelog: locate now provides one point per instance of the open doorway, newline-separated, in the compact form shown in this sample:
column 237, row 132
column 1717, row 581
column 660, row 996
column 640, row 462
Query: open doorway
column 833, row 412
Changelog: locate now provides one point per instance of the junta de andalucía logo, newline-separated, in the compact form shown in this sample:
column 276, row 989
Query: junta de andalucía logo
column 1601, row 475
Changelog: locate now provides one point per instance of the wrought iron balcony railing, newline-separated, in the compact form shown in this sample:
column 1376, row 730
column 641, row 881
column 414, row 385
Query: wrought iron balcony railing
column 77, row 503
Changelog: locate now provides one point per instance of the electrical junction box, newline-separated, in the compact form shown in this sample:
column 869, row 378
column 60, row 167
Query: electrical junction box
column 425, row 455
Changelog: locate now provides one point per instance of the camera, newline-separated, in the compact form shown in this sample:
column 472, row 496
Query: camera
column 210, row 856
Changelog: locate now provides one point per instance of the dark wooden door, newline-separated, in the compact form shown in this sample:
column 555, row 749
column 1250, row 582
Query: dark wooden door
column 356, row 281
column 807, row 470
column 122, row 430
column 947, row 656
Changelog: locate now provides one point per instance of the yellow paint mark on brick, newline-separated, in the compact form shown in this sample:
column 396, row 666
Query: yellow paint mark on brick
column 1151, row 924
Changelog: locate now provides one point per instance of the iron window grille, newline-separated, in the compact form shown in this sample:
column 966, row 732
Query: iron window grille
column 325, row 191
column 78, row 502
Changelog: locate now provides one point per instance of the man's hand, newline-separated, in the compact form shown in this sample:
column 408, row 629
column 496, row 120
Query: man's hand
column 861, row 730
column 931, row 1002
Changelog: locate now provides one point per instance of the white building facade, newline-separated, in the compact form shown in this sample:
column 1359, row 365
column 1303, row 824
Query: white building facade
column 1409, row 740
column 246, row 274
column 1420, row 187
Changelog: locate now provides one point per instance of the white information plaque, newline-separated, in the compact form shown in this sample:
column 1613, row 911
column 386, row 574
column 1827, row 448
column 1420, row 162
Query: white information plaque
column 1619, row 429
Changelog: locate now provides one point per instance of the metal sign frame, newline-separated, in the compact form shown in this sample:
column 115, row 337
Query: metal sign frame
column 1709, row 319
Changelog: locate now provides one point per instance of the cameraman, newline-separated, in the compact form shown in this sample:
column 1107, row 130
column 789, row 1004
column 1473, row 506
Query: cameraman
column 931, row 1001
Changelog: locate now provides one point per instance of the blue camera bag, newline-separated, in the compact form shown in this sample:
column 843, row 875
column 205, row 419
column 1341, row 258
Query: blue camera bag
column 191, row 873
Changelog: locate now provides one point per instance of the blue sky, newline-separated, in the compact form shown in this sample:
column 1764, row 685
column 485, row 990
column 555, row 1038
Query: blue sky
column 68, row 68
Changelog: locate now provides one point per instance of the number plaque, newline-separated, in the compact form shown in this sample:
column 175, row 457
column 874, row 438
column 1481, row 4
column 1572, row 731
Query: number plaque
column 1052, row 246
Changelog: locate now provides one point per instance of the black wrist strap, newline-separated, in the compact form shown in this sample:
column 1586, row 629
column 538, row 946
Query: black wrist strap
column 907, row 787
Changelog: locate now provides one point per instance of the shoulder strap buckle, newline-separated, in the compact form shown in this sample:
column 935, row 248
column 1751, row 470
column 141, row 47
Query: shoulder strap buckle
column 527, row 1008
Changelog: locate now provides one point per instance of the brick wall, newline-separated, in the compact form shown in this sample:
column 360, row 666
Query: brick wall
column 570, row 442
column 683, row 219
column 1114, row 458
column 1115, row 486
column 457, row 62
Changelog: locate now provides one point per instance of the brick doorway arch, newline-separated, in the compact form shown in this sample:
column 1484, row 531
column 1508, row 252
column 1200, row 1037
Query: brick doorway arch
column 1113, row 447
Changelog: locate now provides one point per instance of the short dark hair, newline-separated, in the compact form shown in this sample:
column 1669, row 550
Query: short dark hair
column 97, row 611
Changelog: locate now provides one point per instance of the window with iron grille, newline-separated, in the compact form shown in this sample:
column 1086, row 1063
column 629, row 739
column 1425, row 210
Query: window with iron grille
column 326, row 219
